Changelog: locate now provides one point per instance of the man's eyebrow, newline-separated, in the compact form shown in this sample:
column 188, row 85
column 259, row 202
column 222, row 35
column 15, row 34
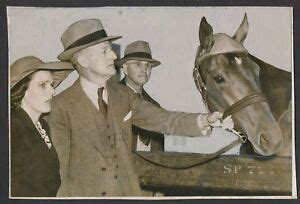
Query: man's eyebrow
column 45, row 81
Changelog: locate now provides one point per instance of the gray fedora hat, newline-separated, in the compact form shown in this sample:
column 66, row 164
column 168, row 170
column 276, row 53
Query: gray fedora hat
column 138, row 50
column 81, row 34
column 27, row 65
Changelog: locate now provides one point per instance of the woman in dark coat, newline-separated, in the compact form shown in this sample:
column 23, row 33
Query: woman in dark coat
column 34, row 161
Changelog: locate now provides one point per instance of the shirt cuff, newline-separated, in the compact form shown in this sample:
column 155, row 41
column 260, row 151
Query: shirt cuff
column 203, row 124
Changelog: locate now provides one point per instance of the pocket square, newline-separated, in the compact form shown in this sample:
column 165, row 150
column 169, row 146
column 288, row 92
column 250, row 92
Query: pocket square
column 128, row 116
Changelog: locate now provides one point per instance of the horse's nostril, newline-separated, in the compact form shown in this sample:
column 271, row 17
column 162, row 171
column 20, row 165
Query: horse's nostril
column 269, row 145
column 263, row 141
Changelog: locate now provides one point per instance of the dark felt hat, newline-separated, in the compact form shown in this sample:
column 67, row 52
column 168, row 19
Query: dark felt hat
column 138, row 50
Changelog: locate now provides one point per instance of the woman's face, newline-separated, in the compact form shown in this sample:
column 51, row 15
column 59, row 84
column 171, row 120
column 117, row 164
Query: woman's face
column 39, row 94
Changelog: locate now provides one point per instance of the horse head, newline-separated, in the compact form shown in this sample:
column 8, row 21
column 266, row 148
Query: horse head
column 229, row 82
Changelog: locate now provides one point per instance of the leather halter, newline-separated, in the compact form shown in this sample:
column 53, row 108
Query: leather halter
column 234, row 108
column 237, row 106
column 244, row 102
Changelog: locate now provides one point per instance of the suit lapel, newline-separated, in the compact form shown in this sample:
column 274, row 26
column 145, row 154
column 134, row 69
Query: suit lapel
column 91, row 118
column 114, row 108
column 148, row 98
column 34, row 138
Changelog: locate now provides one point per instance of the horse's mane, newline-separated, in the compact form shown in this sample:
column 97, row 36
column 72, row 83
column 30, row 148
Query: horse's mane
column 276, row 85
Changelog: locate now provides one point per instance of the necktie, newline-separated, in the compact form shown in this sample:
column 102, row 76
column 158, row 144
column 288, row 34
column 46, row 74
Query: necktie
column 142, row 133
column 140, row 95
column 101, row 103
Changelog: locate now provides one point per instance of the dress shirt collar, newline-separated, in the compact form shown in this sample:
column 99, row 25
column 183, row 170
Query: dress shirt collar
column 91, row 90
column 127, row 84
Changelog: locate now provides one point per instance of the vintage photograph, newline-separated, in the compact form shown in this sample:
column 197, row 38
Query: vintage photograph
column 151, row 102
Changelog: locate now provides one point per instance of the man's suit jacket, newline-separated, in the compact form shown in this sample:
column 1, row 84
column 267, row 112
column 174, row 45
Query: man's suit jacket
column 157, row 139
column 94, row 153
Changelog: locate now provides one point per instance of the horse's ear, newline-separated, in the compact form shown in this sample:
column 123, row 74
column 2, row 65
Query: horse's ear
column 241, row 33
column 205, row 35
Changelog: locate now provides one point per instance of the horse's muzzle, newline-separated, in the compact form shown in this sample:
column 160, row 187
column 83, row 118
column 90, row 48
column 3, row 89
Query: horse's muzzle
column 268, row 146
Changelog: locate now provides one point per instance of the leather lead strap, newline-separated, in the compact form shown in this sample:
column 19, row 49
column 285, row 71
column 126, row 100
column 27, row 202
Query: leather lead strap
column 207, row 158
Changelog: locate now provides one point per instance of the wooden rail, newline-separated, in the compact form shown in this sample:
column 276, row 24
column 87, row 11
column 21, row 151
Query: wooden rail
column 225, row 175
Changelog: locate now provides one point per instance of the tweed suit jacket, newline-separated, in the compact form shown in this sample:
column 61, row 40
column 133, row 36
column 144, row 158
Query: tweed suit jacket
column 80, row 135
column 157, row 139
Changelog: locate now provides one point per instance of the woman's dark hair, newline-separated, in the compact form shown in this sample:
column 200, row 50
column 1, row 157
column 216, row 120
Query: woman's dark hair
column 18, row 91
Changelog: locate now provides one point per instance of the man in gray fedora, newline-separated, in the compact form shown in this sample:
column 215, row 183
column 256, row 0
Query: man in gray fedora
column 137, row 65
column 91, row 121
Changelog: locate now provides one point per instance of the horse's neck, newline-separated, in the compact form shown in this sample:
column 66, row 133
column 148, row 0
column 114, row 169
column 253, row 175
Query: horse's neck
column 276, row 86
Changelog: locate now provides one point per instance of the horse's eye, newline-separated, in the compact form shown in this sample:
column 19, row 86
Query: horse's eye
column 219, row 79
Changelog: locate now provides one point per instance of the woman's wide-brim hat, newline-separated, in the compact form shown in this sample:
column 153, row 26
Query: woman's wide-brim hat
column 30, row 64
column 83, row 34
column 138, row 50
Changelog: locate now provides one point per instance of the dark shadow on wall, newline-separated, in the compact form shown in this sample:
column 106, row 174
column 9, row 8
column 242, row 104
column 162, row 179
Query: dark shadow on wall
column 117, row 49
